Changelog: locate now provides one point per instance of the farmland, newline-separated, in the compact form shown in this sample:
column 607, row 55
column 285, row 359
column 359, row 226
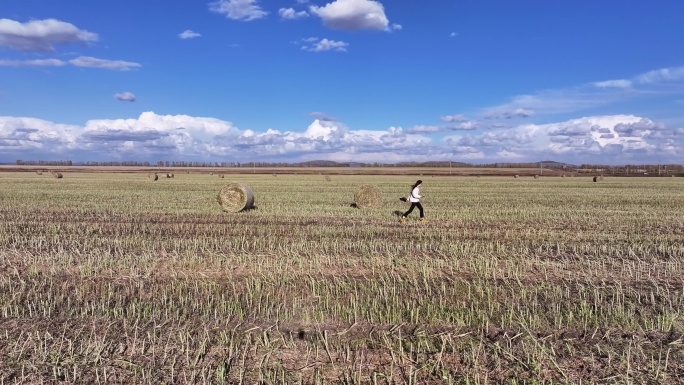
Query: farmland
column 113, row 278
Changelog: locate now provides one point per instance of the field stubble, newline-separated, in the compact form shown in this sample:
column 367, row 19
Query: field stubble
column 108, row 278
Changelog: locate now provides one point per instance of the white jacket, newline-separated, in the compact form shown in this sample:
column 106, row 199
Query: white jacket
column 415, row 195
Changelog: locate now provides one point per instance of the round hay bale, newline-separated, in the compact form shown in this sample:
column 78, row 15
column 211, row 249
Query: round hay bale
column 515, row 176
column 235, row 197
column 600, row 177
column 367, row 195
column 536, row 177
column 171, row 175
column 153, row 177
column 57, row 175
column 221, row 176
column 39, row 173
column 327, row 178
column 595, row 179
column 168, row 175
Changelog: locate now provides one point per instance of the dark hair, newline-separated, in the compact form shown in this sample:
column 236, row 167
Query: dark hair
column 417, row 183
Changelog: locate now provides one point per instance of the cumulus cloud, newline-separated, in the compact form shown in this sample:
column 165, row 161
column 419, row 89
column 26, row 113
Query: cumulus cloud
column 41, row 35
column 188, row 34
column 453, row 34
column 353, row 15
column 599, row 139
column 315, row 45
column 291, row 14
column 125, row 97
column 246, row 10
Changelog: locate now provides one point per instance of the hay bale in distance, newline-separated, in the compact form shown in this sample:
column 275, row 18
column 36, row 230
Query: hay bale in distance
column 57, row 175
column 236, row 197
column 536, row 177
column 327, row 178
column 515, row 176
column 39, row 173
column 595, row 179
column 153, row 176
column 367, row 195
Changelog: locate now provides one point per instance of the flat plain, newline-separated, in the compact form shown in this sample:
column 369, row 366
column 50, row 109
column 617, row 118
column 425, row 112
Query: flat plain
column 110, row 277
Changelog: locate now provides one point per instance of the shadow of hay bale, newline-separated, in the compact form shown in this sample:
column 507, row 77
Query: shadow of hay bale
column 397, row 213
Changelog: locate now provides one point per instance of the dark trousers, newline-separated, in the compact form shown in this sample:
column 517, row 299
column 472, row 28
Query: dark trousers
column 414, row 204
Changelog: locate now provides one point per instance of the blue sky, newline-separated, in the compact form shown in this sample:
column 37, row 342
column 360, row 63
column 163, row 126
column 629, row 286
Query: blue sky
column 483, row 81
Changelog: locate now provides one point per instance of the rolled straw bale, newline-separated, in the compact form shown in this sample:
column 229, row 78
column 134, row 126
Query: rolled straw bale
column 515, row 176
column 235, row 197
column 536, row 177
column 39, row 173
column 367, row 195
column 221, row 176
column 595, row 179
column 153, row 176
column 57, row 175
column 327, row 178
column 168, row 175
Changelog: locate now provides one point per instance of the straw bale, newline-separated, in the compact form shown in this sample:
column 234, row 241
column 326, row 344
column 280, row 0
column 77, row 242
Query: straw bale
column 236, row 197
column 367, row 196
column 57, row 175
column 153, row 176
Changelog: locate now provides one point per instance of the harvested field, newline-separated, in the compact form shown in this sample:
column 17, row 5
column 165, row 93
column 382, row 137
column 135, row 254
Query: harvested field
column 109, row 278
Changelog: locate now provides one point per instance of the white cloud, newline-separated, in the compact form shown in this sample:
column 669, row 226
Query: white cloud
column 353, row 15
column 454, row 118
column 41, row 35
column 82, row 61
column 453, row 34
column 91, row 62
column 322, row 116
column 661, row 75
column 508, row 114
column 614, row 139
column 188, row 34
column 621, row 83
column 291, row 14
column 315, row 45
column 590, row 95
column 125, row 97
column 33, row 63
column 422, row 129
column 246, row 10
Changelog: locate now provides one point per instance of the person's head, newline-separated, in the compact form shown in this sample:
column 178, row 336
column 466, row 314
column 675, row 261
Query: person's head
column 418, row 183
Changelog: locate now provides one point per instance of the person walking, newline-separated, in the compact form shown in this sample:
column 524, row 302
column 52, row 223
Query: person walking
column 414, row 198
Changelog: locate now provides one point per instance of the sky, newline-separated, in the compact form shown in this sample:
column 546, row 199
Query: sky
column 476, row 81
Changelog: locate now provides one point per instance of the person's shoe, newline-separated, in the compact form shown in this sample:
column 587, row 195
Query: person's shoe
column 423, row 220
column 402, row 220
